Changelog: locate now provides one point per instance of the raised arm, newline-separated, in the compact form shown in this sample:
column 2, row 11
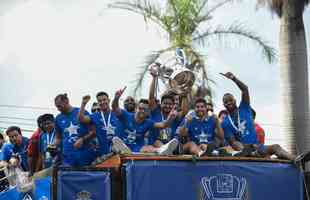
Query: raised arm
column 244, row 88
column 82, row 117
column 115, row 103
column 152, row 99
column 184, row 107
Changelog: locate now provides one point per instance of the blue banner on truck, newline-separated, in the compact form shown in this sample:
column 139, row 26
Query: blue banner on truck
column 83, row 185
column 212, row 180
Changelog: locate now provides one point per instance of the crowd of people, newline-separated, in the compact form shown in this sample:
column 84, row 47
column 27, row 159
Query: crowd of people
column 167, row 126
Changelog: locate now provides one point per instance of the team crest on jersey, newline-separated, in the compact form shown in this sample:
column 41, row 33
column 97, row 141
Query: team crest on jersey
column 83, row 195
column 131, row 137
column 223, row 187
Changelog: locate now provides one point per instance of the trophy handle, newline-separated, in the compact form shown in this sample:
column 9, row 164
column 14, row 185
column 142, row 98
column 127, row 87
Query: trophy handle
column 180, row 56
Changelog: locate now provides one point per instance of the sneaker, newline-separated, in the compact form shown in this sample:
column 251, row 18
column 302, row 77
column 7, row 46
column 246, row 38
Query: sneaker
column 247, row 151
column 118, row 146
column 168, row 149
column 215, row 153
column 224, row 153
column 210, row 148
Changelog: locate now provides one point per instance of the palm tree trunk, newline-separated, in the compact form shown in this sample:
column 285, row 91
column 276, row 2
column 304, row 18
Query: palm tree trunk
column 294, row 78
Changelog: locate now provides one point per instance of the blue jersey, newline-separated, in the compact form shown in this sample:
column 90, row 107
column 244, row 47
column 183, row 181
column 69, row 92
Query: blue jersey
column 45, row 140
column 71, row 129
column 20, row 150
column 134, row 134
column 106, row 129
column 164, row 135
column 201, row 131
column 241, row 125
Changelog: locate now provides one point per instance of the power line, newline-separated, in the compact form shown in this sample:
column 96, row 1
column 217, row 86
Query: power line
column 18, row 118
column 270, row 124
column 27, row 107
column 26, row 130
column 20, row 123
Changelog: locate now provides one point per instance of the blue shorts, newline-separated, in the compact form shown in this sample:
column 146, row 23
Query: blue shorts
column 135, row 148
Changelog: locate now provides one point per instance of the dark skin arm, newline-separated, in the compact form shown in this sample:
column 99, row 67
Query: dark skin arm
column 219, row 129
column 244, row 88
column 236, row 145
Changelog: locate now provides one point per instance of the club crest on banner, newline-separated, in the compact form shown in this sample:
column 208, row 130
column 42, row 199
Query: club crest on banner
column 27, row 197
column 83, row 195
column 224, row 187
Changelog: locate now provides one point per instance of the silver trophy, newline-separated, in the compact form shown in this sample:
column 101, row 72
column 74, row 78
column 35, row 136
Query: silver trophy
column 16, row 176
column 172, row 70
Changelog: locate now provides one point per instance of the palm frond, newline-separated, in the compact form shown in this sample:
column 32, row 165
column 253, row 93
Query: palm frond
column 149, row 11
column 239, row 30
column 207, row 15
column 201, row 6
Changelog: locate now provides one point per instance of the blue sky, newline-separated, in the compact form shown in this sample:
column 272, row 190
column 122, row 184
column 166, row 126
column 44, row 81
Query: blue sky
column 77, row 46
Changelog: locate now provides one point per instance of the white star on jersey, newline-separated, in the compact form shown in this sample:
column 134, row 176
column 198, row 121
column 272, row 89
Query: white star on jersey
column 242, row 127
column 203, row 137
column 72, row 129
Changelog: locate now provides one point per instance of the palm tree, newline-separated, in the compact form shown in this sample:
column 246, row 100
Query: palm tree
column 187, row 24
column 294, row 71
